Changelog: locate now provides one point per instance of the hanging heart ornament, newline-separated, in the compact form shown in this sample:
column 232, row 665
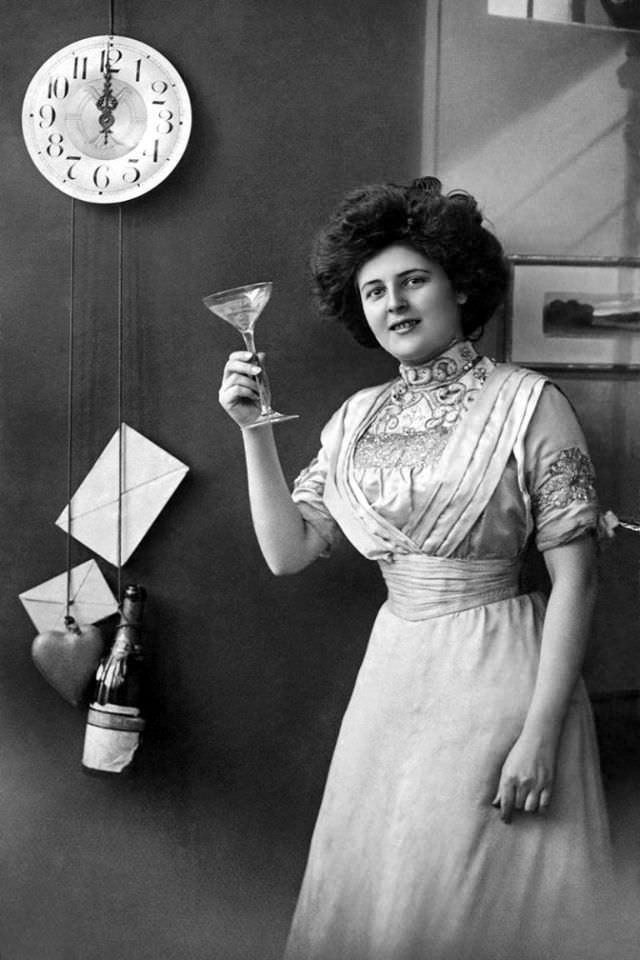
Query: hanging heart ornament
column 69, row 658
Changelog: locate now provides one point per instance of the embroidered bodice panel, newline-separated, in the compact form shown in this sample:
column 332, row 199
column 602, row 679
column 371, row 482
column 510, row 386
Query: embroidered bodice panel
column 424, row 407
column 396, row 456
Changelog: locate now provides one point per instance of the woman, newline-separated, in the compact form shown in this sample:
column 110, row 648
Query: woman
column 463, row 814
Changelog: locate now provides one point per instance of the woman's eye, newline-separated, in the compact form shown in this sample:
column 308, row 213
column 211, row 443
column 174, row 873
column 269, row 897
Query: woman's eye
column 416, row 281
column 375, row 292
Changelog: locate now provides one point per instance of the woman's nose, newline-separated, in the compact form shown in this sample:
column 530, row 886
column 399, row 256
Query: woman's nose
column 395, row 300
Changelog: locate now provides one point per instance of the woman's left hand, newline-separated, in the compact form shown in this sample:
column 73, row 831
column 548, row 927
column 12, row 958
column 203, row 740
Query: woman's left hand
column 526, row 779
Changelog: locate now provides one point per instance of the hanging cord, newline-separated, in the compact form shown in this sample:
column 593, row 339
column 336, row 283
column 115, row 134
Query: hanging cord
column 70, row 379
column 121, row 442
column 120, row 403
column 437, row 91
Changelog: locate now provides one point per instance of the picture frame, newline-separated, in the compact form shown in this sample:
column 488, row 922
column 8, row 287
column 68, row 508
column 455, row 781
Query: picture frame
column 574, row 312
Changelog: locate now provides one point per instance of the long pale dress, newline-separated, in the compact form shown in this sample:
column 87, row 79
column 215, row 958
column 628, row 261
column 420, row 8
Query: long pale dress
column 442, row 477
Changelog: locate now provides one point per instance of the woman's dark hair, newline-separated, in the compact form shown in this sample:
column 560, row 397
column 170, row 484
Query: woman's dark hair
column 446, row 228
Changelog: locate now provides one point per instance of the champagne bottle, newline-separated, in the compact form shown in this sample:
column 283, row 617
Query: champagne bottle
column 115, row 721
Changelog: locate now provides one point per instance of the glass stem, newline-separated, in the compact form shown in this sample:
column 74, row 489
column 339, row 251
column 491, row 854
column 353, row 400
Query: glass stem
column 264, row 391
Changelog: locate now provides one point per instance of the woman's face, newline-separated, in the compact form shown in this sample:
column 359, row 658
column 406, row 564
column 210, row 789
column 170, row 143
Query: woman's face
column 409, row 304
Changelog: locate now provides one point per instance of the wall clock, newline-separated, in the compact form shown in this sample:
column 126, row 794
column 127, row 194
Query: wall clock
column 106, row 119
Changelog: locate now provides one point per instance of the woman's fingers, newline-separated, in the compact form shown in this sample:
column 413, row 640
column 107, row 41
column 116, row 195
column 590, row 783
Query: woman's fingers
column 235, row 380
column 239, row 394
column 524, row 789
column 239, row 377
column 526, row 777
column 545, row 799
column 527, row 797
column 244, row 356
column 532, row 802
column 243, row 363
column 506, row 801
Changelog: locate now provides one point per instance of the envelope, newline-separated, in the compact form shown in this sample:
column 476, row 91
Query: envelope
column 147, row 478
column 91, row 598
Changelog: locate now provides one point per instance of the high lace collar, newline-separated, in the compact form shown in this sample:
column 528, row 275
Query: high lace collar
column 447, row 367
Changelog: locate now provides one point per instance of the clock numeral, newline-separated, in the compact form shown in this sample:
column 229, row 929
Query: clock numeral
column 165, row 117
column 70, row 173
column 47, row 116
column 154, row 154
column 80, row 68
column 112, row 57
column 58, row 88
column 159, row 86
column 55, row 148
column 101, row 176
column 138, row 69
column 134, row 173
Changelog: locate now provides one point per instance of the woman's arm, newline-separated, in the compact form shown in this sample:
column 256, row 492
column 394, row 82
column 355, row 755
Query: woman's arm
column 526, row 781
column 287, row 542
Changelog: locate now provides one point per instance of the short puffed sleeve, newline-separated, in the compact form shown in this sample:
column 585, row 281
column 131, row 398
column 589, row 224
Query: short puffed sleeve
column 308, row 495
column 559, row 473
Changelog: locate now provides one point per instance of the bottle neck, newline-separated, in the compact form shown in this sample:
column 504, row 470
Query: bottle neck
column 128, row 634
column 132, row 604
column 126, row 640
column 131, row 612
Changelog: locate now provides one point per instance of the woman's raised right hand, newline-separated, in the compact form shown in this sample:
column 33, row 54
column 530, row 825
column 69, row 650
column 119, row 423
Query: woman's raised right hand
column 238, row 394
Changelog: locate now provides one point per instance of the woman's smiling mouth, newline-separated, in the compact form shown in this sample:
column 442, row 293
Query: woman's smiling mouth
column 402, row 326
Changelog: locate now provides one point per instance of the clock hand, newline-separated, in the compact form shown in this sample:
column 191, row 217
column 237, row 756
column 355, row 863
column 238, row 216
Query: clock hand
column 106, row 104
column 114, row 143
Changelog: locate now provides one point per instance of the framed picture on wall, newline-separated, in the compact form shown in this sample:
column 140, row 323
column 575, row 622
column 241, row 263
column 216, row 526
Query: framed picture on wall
column 574, row 312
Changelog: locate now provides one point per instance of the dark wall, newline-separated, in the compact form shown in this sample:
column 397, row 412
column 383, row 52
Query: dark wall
column 200, row 855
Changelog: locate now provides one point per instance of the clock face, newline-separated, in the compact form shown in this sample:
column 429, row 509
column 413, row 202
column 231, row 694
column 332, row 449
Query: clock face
column 106, row 119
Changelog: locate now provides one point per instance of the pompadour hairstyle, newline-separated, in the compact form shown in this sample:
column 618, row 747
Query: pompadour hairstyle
column 446, row 228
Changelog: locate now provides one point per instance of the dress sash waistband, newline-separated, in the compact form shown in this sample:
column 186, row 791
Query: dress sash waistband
column 421, row 586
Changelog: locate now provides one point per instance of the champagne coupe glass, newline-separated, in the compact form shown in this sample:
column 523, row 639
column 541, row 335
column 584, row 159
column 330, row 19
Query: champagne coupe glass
column 241, row 307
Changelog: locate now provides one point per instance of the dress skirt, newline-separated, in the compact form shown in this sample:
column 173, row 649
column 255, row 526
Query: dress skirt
column 409, row 859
